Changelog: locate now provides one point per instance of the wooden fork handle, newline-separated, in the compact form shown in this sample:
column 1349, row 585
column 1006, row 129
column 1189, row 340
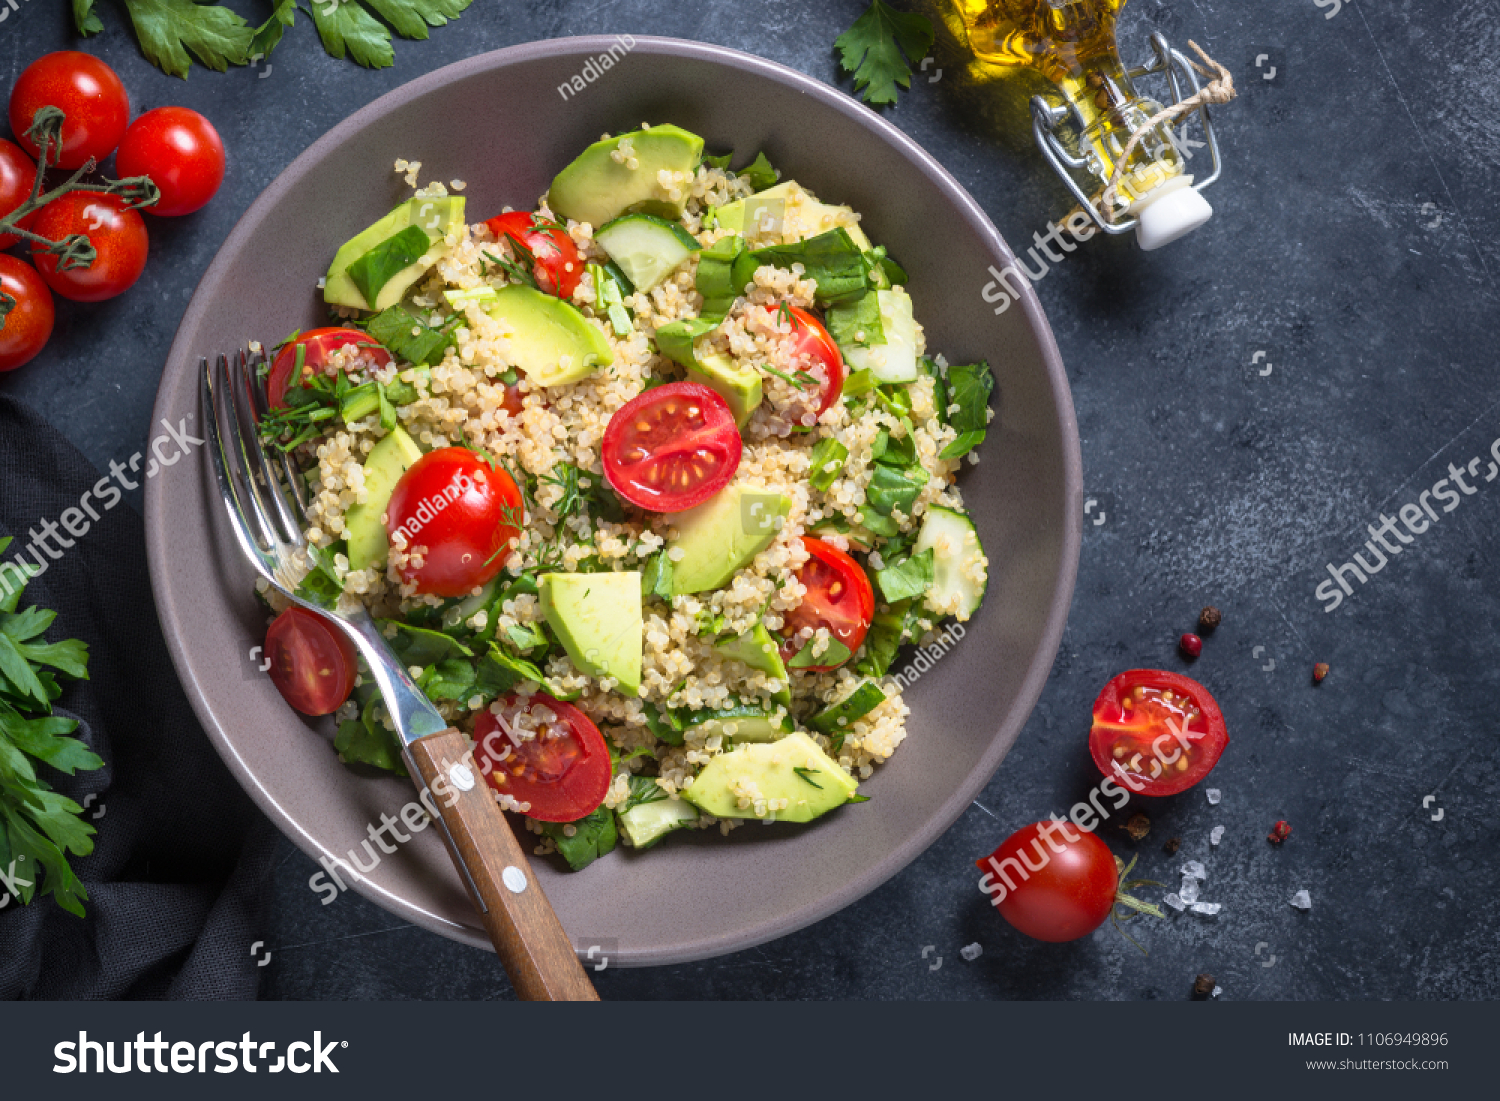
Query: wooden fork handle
column 529, row 939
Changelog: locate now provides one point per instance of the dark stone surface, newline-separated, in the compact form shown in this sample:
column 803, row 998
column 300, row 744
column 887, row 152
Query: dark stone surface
column 1354, row 244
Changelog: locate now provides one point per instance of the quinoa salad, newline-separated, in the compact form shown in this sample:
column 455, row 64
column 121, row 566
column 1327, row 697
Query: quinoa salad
column 647, row 484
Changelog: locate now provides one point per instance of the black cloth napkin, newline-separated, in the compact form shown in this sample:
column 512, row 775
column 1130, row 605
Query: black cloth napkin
column 182, row 859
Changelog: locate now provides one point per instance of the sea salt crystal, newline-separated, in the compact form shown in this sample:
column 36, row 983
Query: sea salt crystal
column 1209, row 908
column 971, row 951
column 1216, row 835
column 1213, row 796
column 1176, row 903
column 1189, row 889
column 1194, row 869
column 1218, row 990
column 1302, row 900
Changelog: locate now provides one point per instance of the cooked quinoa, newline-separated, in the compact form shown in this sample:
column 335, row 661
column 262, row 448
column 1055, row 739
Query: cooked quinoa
column 460, row 402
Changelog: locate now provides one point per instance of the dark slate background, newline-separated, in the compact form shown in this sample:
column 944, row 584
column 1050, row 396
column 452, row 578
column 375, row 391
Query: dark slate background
column 1355, row 245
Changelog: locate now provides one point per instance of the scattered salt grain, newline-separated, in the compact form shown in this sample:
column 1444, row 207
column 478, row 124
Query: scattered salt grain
column 1189, row 889
column 1176, row 903
column 1216, row 835
column 971, row 951
column 1302, row 900
column 1214, row 795
column 1209, row 908
column 1217, row 991
column 1194, row 869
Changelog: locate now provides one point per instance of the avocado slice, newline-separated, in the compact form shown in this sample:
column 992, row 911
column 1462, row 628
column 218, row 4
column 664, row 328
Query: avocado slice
column 740, row 387
column 723, row 534
column 434, row 217
column 757, row 649
column 392, row 457
column 787, row 202
column 794, row 769
column 596, row 188
column 546, row 332
column 597, row 617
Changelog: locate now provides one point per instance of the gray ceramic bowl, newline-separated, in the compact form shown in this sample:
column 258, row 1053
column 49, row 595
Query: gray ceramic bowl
column 498, row 122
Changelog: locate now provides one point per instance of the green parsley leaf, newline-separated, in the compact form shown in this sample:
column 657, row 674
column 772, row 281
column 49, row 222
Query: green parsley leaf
column 169, row 28
column 85, row 19
column 348, row 29
column 411, row 18
column 269, row 33
column 892, row 488
column 719, row 162
column 871, row 50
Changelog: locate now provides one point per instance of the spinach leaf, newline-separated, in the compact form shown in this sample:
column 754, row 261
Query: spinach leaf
column 643, row 790
column 836, row 654
column 826, row 463
column 832, row 259
column 906, row 579
column 592, row 838
column 420, row 646
column 883, row 641
column 385, row 261
column 759, row 173
column 969, row 388
column 892, row 488
column 966, row 442
column 856, row 323
column 322, row 586
column 394, row 326
column 656, row 578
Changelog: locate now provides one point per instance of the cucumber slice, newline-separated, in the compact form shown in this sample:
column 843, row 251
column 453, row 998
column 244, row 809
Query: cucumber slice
column 743, row 724
column 896, row 359
column 959, row 569
column 866, row 697
column 647, row 248
column 647, row 823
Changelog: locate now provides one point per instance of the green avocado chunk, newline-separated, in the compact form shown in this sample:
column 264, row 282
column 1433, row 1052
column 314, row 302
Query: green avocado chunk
column 550, row 339
column 365, row 523
column 370, row 251
column 757, row 649
column 740, row 387
column 793, row 769
column 597, row 617
column 788, row 205
column 596, row 188
column 723, row 534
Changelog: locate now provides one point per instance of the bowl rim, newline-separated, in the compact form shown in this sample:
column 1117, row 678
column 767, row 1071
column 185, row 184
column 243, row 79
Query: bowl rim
column 181, row 357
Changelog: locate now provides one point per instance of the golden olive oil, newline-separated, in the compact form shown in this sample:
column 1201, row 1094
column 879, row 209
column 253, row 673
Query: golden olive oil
column 1072, row 44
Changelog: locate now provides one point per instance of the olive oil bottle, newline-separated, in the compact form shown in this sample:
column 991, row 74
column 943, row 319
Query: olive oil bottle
column 1072, row 44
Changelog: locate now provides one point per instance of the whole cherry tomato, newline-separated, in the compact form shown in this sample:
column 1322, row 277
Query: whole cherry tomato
column 24, row 330
column 181, row 152
column 17, row 173
column 86, row 91
column 117, row 234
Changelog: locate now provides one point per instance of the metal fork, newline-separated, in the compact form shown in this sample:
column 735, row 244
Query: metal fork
column 268, row 526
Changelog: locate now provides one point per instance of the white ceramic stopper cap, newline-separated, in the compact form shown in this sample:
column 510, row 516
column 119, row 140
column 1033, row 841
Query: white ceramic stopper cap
column 1171, row 211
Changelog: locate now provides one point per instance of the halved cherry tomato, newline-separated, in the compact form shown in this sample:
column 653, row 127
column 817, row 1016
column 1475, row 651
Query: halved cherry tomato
column 671, row 447
column 563, row 772
column 312, row 663
column 1052, row 881
column 818, row 352
column 29, row 323
column 17, row 174
column 838, row 597
column 1156, row 733
column 118, row 235
column 320, row 344
column 462, row 512
column 89, row 94
column 556, row 264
